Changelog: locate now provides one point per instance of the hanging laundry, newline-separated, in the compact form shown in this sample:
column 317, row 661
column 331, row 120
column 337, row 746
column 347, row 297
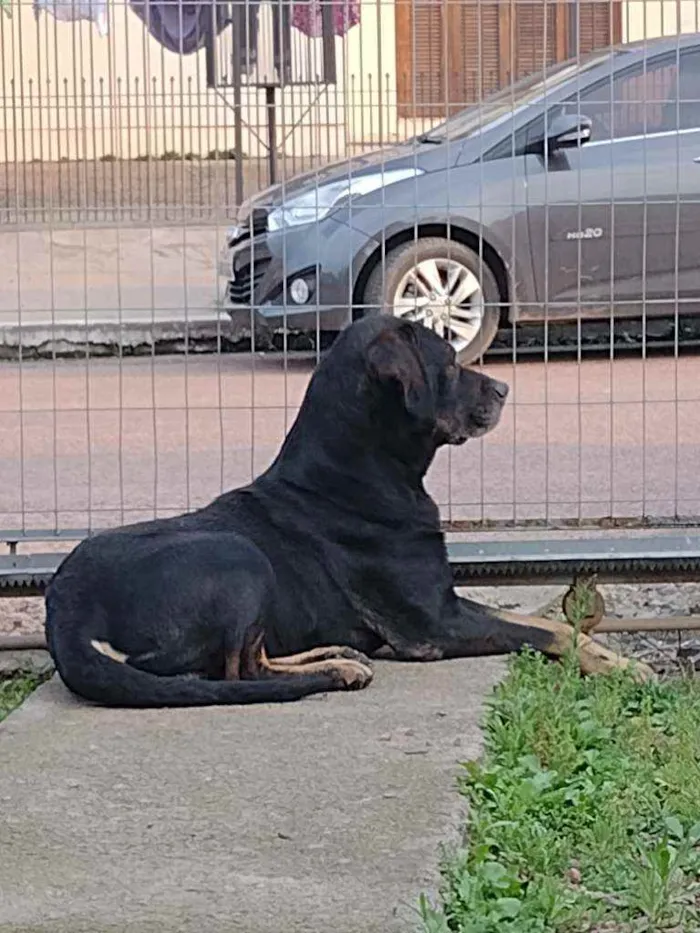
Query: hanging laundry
column 69, row 11
column 182, row 28
column 308, row 18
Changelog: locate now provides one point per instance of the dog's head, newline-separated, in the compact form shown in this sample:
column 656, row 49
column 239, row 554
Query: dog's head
column 392, row 387
column 421, row 389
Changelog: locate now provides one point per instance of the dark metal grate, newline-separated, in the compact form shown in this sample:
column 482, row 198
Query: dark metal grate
column 661, row 559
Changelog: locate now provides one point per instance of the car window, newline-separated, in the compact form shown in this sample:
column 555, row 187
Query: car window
column 655, row 96
column 509, row 100
column 659, row 95
column 683, row 110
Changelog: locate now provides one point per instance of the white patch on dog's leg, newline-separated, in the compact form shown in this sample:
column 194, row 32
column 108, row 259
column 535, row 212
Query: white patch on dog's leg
column 108, row 651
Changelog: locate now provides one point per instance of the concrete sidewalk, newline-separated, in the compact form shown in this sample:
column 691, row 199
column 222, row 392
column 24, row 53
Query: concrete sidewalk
column 108, row 285
column 322, row 815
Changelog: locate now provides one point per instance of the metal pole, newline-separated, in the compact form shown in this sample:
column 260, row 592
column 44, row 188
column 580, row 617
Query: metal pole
column 574, row 11
column 237, row 67
column 270, row 106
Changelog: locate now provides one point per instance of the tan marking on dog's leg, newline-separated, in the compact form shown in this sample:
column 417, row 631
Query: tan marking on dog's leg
column 337, row 652
column 594, row 657
column 232, row 667
column 108, row 651
column 251, row 658
column 352, row 673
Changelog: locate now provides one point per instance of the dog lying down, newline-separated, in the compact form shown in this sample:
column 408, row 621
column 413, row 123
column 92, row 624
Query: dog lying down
column 336, row 544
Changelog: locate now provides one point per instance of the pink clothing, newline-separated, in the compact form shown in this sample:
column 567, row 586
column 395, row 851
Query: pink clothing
column 307, row 16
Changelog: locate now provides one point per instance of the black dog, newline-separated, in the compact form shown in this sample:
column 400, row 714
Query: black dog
column 338, row 543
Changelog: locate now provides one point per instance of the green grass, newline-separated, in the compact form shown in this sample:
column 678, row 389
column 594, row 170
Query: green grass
column 14, row 691
column 584, row 811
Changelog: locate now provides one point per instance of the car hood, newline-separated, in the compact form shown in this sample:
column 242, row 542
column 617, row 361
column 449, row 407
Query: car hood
column 426, row 156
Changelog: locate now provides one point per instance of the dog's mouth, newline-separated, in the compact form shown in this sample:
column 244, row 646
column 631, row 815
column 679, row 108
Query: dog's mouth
column 480, row 425
column 455, row 434
column 475, row 430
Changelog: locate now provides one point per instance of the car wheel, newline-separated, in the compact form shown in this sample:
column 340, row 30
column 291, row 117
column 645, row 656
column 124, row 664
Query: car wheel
column 442, row 284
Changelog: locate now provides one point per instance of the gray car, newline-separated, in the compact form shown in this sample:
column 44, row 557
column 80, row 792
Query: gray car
column 573, row 194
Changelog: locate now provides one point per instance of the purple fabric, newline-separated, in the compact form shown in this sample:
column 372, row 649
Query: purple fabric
column 180, row 27
column 308, row 19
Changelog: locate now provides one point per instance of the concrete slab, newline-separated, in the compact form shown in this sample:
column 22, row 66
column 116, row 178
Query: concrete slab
column 322, row 815
column 102, row 268
column 110, row 285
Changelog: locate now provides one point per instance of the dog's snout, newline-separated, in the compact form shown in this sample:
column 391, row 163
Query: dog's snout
column 501, row 389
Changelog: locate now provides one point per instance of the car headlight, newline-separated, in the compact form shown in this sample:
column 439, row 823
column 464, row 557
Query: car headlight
column 316, row 204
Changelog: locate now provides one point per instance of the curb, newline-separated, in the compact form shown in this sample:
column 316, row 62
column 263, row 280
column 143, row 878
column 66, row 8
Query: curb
column 158, row 333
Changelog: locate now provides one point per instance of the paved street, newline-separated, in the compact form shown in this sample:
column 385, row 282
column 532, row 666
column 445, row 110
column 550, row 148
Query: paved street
column 101, row 442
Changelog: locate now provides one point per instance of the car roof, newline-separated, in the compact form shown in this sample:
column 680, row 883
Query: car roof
column 624, row 55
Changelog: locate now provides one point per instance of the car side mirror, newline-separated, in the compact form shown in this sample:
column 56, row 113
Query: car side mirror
column 568, row 131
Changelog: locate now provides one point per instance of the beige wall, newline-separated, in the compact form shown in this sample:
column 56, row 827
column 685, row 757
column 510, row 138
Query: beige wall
column 78, row 95
column 649, row 19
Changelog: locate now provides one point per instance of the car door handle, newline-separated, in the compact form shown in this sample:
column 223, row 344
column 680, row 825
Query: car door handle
column 696, row 159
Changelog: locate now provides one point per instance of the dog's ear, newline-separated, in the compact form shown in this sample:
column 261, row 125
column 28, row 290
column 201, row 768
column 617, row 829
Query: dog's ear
column 393, row 358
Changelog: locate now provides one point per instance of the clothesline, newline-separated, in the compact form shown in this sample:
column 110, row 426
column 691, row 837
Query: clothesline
column 185, row 27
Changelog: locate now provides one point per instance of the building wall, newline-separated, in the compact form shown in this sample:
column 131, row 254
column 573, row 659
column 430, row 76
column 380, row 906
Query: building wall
column 71, row 94
column 648, row 19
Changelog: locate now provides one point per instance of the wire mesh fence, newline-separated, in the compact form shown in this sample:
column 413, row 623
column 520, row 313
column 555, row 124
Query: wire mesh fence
column 194, row 199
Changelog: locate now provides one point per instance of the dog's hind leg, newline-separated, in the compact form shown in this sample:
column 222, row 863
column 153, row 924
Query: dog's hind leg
column 353, row 673
column 96, row 676
column 332, row 652
column 253, row 663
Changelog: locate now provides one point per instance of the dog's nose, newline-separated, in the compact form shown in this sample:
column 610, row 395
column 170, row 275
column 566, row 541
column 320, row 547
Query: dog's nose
column 501, row 389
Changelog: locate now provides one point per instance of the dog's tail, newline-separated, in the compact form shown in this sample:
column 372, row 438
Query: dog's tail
column 99, row 678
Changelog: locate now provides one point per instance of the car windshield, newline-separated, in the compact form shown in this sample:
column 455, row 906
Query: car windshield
column 512, row 98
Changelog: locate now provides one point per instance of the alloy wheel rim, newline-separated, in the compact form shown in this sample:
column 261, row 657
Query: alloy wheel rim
column 443, row 295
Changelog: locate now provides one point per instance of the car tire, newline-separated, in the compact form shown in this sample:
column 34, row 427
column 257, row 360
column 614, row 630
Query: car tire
column 405, row 268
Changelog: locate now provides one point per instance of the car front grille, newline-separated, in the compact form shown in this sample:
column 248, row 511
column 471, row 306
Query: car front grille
column 259, row 221
column 242, row 288
column 254, row 225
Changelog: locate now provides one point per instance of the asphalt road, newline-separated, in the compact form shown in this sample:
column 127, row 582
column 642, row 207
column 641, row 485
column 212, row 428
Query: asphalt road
column 92, row 444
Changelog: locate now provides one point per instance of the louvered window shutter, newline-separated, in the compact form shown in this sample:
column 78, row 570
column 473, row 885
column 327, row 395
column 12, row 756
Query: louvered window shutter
column 452, row 53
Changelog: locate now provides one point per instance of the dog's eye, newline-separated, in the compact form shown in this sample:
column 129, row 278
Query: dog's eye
column 447, row 378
